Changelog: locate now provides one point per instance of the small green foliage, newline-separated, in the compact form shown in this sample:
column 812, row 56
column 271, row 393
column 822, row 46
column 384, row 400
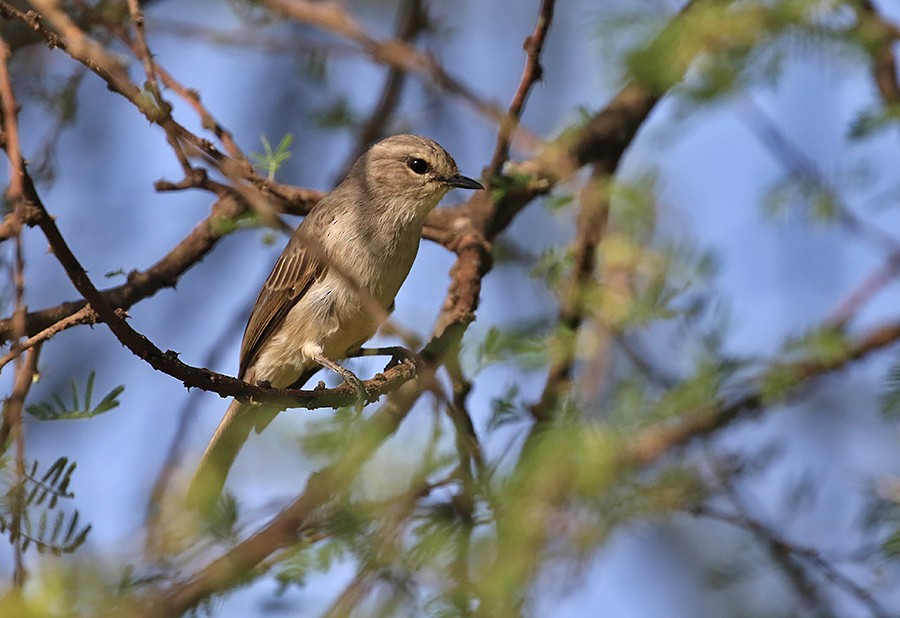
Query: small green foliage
column 504, row 184
column 68, row 102
column 150, row 107
column 506, row 409
column 725, row 573
column 776, row 384
column 315, row 65
column 119, row 272
column 221, row 522
column 699, row 392
column 57, row 532
column 635, row 406
column 818, row 202
column 434, row 534
column 337, row 115
column 679, row 488
column 882, row 513
column 58, row 409
column 871, row 122
column 270, row 160
column 891, row 545
column 890, row 398
column 652, row 303
column 329, row 436
column 717, row 48
column 221, row 226
column 293, row 567
column 559, row 201
column 525, row 345
column 349, row 520
column 629, row 404
column 326, row 554
column 442, row 607
column 826, row 346
column 506, row 251
column 634, row 205
column 553, row 266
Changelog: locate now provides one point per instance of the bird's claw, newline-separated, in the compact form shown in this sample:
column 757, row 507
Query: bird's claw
column 401, row 355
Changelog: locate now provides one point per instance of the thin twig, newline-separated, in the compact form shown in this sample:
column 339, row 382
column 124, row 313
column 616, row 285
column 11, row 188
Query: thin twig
column 333, row 18
column 24, row 372
column 191, row 97
column 813, row 557
column 806, row 171
column 884, row 67
column 781, row 552
column 592, row 219
column 655, row 441
column 142, row 50
column 531, row 74
column 85, row 315
column 867, row 289
column 77, row 44
column 413, row 20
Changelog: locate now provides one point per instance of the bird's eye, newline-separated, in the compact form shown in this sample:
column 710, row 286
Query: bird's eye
column 419, row 166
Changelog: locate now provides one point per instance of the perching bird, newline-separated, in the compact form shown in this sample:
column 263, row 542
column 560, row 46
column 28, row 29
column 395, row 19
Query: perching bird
column 333, row 284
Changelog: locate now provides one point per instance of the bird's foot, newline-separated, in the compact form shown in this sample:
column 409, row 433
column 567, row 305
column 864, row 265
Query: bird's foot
column 397, row 353
column 349, row 378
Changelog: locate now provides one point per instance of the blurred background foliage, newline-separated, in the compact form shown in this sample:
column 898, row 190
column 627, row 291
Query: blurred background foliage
column 682, row 379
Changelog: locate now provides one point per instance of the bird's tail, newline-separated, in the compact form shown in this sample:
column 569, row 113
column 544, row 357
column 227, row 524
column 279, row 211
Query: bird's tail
column 220, row 453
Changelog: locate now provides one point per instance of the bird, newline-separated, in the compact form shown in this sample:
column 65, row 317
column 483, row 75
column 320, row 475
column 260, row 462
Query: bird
column 333, row 285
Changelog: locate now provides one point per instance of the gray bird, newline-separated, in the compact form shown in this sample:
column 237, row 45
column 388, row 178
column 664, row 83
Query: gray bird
column 333, row 285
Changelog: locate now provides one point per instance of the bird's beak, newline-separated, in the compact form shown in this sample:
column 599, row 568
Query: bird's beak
column 463, row 182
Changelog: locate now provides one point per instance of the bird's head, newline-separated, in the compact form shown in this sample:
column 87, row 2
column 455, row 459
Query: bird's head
column 415, row 169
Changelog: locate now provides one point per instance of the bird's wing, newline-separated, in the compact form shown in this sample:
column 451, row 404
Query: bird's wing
column 297, row 268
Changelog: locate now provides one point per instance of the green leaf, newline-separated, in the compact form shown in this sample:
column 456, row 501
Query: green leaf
column 25, row 510
column 221, row 522
column 271, row 159
column 525, row 345
column 871, row 122
column 817, row 201
column 891, row 545
column 890, row 398
column 557, row 202
column 553, row 266
column 506, row 409
column 337, row 115
column 293, row 567
column 57, row 409
column 826, row 346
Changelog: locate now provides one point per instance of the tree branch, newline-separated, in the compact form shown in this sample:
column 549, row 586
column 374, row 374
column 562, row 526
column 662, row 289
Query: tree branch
column 532, row 73
column 654, row 442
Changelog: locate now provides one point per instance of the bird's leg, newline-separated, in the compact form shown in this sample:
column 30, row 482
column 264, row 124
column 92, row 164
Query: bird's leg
column 397, row 353
column 349, row 377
